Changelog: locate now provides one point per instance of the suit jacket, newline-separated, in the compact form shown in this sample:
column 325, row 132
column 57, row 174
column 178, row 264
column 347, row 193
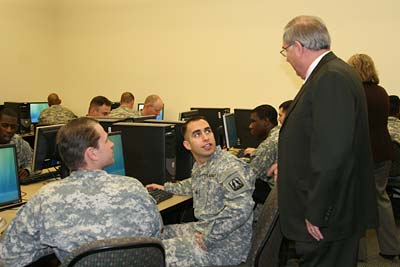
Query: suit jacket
column 325, row 162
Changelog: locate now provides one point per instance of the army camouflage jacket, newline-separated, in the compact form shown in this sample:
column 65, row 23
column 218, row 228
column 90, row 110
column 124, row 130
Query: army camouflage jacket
column 222, row 199
column 265, row 155
column 86, row 206
column 24, row 152
column 56, row 114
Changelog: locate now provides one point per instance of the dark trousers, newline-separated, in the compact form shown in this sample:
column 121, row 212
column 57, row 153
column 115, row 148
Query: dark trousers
column 341, row 253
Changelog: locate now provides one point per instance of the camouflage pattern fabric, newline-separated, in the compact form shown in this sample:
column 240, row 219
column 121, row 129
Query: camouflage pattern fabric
column 222, row 199
column 56, row 114
column 124, row 112
column 394, row 129
column 265, row 155
column 84, row 207
column 24, row 152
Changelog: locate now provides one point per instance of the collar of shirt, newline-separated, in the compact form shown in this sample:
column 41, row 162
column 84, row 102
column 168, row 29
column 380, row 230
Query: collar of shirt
column 314, row 64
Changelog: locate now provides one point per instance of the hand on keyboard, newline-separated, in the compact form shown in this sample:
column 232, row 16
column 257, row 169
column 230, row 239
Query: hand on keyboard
column 160, row 195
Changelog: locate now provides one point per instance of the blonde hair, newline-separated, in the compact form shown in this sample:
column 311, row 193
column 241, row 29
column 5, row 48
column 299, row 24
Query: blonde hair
column 365, row 67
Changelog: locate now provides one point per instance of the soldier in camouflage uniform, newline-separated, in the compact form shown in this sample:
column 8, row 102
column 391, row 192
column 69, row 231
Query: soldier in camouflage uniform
column 55, row 113
column 126, row 108
column 221, row 186
column 263, row 124
column 265, row 155
column 86, row 206
column 8, row 126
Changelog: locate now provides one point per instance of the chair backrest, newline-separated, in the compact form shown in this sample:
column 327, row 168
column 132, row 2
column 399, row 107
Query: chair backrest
column 117, row 252
column 267, row 237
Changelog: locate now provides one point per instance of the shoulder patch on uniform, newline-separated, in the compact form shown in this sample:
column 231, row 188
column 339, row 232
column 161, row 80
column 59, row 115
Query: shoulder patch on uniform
column 236, row 183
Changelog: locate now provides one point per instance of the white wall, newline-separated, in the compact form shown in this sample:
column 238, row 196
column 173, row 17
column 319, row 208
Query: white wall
column 215, row 53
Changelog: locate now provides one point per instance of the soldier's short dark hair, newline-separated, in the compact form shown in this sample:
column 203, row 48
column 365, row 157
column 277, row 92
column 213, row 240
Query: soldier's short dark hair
column 74, row 138
column 100, row 100
column 192, row 119
column 127, row 97
column 266, row 112
column 286, row 105
column 8, row 112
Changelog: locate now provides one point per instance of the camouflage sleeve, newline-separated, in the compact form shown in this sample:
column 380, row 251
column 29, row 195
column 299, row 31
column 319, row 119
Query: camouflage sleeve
column 20, row 243
column 183, row 187
column 24, row 154
column 237, row 210
column 264, row 156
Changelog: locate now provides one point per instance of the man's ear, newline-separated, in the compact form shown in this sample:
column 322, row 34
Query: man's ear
column 186, row 144
column 91, row 154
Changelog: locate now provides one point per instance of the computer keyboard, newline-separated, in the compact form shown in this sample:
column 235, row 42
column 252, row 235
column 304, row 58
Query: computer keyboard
column 160, row 195
column 240, row 153
column 38, row 178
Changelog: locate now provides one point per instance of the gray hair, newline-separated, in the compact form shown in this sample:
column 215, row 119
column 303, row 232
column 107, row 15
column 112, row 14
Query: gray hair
column 310, row 31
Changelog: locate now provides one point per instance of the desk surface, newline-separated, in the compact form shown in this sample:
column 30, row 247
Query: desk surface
column 28, row 191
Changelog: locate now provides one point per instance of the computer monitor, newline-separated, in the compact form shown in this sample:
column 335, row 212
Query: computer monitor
column 10, row 192
column 118, row 167
column 115, row 105
column 242, row 120
column 231, row 138
column 144, row 118
column 214, row 117
column 107, row 122
column 160, row 116
column 35, row 109
column 45, row 154
column 185, row 115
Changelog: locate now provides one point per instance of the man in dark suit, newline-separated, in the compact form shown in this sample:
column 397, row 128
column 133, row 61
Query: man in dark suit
column 326, row 185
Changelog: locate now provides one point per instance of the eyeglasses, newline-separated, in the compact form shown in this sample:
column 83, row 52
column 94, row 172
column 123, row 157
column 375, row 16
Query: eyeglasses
column 284, row 50
column 6, row 125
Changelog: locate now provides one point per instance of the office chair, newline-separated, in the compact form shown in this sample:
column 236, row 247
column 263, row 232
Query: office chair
column 267, row 237
column 118, row 252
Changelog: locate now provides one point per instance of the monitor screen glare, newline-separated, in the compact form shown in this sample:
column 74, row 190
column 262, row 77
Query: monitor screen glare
column 9, row 186
column 118, row 167
column 36, row 109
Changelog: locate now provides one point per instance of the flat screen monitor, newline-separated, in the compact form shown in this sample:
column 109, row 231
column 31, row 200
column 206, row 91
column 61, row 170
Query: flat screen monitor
column 107, row 122
column 242, row 120
column 231, row 138
column 214, row 117
column 115, row 105
column 144, row 118
column 45, row 154
column 185, row 115
column 9, row 184
column 160, row 116
column 35, row 109
column 118, row 167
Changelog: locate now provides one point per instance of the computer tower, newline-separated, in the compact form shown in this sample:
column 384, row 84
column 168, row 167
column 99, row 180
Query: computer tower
column 184, row 158
column 24, row 115
column 149, row 151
